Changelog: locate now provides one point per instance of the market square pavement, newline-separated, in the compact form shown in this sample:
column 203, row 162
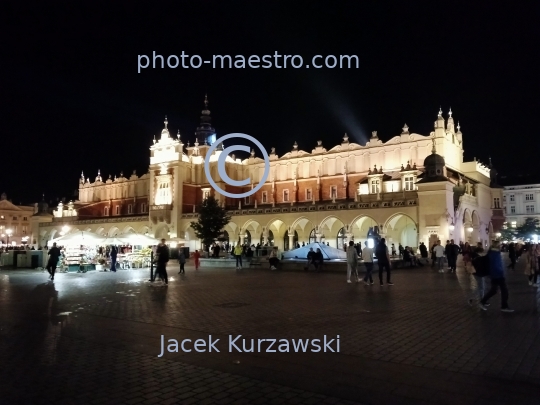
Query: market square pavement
column 94, row 338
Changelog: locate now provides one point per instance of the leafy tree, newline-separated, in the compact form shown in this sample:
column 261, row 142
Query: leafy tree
column 212, row 220
column 530, row 227
column 508, row 234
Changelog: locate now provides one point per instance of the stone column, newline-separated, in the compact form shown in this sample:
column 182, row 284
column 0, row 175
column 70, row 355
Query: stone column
column 291, row 240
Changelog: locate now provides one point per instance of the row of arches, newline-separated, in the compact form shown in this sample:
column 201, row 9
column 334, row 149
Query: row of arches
column 332, row 230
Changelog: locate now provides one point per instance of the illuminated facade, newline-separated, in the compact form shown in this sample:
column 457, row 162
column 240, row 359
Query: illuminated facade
column 15, row 227
column 403, row 188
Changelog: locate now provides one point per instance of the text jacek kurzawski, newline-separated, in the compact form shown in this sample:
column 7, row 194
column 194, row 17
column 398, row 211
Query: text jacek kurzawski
column 236, row 343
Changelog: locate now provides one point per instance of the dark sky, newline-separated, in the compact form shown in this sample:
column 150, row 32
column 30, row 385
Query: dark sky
column 72, row 100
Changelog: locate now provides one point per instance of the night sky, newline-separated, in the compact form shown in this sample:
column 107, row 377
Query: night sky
column 72, row 99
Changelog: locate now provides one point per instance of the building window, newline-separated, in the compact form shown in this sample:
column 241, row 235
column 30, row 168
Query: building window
column 504, row 198
column 117, row 210
column 512, row 197
column 206, row 194
column 513, row 224
column 529, row 197
column 513, row 209
column 143, row 207
column 14, row 218
column 24, row 229
column 247, row 200
column 106, row 211
column 409, row 183
column 25, row 219
column 375, row 184
column 130, row 209
column 309, row 195
column 496, row 202
column 333, row 192
column 264, row 197
column 285, row 195
column 529, row 209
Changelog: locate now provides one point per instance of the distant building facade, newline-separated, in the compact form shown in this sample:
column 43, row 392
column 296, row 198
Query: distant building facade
column 521, row 199
column 402, row 189
column 15, row 227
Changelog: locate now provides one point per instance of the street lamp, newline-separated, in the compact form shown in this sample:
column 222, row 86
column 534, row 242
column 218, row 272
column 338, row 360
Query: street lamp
column 8, row 232
column 452, row 226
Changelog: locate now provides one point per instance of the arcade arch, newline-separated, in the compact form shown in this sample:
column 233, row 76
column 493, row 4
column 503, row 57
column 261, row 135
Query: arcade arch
column 401, row 228
column 360, row 227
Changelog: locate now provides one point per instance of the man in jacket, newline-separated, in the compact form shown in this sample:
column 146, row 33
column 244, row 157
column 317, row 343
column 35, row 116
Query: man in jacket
column 54, row 254
column 352, row 262
column 367, row 258
column 162, row 252
column 451, row 252
column 310, row 259
column 498, row 280
column 383, row 261
column 238, row 250
column 439, row 256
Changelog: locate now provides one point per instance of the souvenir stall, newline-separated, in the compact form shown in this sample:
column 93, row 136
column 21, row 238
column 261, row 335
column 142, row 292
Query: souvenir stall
column 79, row 251
column 133, row 251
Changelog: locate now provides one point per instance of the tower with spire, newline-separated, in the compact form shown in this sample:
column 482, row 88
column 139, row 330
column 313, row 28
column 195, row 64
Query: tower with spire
column 205, row 133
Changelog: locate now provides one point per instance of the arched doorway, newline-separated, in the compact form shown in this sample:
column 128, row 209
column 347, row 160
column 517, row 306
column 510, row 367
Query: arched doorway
column 286, row 240
column 341, row 238
column 247, row 238
column 312, row 236
column 401, row 228
column 270, row 238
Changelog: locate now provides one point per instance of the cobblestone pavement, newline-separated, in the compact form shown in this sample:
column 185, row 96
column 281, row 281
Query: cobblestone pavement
column 94, row 338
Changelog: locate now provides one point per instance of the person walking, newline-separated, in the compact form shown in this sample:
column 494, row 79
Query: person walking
column 197, row 259
column 238, row 250
column 512, row 255
column 537, row 268
column 114, row 254
column 54, row 254
column 531, row 263
column 162, row 260
column 498, row 280
column 383, row 261
column 310, row 259
column 352, row 262
column 273, row 260
column 479, row 269
column 367, row 257
column 452, row 251
column 182, row 261
column 423, row 252
column 433, row 256
column 439, row 256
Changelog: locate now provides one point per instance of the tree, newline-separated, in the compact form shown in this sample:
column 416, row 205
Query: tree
column 212, row 220
column 527, row 229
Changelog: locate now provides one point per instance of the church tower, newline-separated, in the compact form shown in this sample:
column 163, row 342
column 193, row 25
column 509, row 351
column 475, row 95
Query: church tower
column 205, row 133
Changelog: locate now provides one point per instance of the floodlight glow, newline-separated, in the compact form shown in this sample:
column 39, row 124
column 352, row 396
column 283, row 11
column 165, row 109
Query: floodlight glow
column 371, row 243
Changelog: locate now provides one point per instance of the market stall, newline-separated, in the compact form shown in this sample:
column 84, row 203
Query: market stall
column 80, row 252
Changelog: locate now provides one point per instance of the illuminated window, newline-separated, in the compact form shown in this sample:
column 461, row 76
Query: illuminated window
column 333, row 192
column 106, row 211
column 206, row 194
column 309, row 195
column 496, row 202
column 285, row 195
column 529, row 209
column 130, row 209
column 409, row 183
column 375, row 186
column 264, row 197
column 513, row 224
column 247, row 200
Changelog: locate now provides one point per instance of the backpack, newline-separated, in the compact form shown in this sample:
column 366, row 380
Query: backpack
column 481, row 266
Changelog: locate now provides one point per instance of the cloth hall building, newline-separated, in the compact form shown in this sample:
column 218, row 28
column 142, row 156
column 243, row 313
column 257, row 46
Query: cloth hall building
column 413, row 188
